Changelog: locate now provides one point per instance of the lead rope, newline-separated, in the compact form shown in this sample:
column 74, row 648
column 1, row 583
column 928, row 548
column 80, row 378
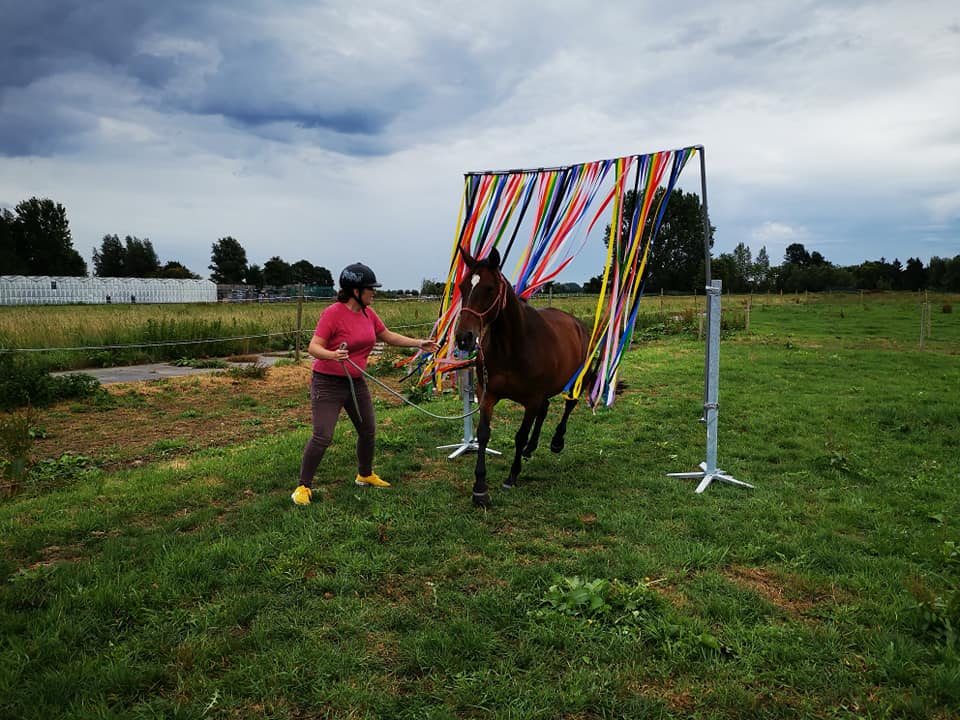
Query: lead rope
column 393, row 392
column 353, row 391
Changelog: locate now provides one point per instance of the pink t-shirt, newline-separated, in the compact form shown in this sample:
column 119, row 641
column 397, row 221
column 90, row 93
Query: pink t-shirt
column 339, row 324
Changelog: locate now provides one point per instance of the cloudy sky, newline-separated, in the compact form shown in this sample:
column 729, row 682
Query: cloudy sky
column 340, row 130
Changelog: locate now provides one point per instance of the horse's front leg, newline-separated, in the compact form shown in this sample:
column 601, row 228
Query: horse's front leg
column 519, row 442
column 481, row 498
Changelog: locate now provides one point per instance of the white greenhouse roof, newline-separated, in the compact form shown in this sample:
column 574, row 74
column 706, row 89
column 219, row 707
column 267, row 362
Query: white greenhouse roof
column 57, row 290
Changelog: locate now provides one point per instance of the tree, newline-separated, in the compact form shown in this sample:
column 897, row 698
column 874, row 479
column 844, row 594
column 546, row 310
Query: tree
column 303, row 271
column 277, row 272
column 254, row 277
column 677, row 255
column 593, row 285
column 10, row 262
column 41, row 240
column 323, row 277
column 431, row 287
column 944, row 274
column 141, row 259
column 762, row 278
column 796, row 254
column 914, row 275
column 742, row 279
column 110, row 259
column 228, row 261
column 724, row 269
column 174, row 270
column 676, row 258
column 947, row 272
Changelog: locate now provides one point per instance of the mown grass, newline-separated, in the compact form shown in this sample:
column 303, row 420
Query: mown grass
column 197, row 589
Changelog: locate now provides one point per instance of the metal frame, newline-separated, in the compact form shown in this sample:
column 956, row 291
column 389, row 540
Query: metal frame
column 711, row 409
column 468, row 443
column 711, row 359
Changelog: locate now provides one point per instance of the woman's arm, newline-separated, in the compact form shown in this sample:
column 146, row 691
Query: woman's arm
column 318, row 349
column 392, row 338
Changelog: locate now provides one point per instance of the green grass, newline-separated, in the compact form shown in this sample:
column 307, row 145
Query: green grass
column 127, row 334
column 598, row 588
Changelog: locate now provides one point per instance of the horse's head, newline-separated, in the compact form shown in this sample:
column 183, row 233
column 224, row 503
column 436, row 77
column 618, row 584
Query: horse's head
column 483, row 293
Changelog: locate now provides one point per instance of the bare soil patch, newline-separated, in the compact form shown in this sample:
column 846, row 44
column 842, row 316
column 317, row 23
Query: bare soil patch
column 135, row 423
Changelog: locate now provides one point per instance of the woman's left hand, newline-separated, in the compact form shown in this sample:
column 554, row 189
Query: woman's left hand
column 428, row 346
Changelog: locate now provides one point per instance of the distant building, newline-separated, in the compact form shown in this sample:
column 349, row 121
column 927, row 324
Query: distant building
column 50, row 290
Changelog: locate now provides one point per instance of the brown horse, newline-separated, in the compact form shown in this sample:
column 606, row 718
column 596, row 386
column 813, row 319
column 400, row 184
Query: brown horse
column 523, row 354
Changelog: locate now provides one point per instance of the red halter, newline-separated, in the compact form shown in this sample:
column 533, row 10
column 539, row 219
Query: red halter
column 499, row 302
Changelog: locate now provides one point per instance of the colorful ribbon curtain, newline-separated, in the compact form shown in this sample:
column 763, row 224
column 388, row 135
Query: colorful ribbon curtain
column 566, row 204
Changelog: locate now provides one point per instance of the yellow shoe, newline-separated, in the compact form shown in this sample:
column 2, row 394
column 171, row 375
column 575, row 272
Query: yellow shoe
column 372, row 479
column 301, row 496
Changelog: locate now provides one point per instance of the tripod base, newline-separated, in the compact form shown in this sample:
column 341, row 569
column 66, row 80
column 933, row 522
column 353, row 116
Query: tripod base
column 708, row 477
column 465, row 446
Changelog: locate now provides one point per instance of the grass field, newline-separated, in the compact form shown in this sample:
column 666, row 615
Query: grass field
column 598, row 588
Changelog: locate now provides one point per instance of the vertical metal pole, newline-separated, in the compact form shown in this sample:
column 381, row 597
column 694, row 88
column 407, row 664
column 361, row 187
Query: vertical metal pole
column 711, row 406
column 705, row 213
column 466, row 394
column 466, row 379
column 706, row 263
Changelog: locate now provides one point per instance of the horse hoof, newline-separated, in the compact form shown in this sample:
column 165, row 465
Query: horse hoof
column 481, row 500
column 507, row 485
column 527, row 454
column 556, row 446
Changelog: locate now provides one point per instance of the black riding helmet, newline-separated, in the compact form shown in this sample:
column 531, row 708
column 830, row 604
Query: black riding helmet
column 354, row 278
column 357, row 277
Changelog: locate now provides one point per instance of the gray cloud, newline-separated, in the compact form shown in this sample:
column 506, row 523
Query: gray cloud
column 303, row 128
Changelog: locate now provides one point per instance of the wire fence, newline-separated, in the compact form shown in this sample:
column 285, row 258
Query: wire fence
column 170, row 343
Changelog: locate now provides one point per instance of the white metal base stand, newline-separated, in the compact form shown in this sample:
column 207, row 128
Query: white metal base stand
column 706, row 477
column 469, row 442
column 709, row 470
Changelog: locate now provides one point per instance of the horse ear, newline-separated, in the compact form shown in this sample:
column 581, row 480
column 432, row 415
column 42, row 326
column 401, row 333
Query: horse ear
column 468, row 261
column 494, row 258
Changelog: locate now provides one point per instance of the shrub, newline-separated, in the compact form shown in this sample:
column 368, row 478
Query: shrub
column 257, row 371
column 15, row 443
column 199, row 363
column 23, row 382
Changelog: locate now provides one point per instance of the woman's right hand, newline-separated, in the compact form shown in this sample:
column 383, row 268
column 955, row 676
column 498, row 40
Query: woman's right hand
column 341, row 354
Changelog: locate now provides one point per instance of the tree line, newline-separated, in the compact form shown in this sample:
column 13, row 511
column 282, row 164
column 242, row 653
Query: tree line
column 676, row 261
column 35, row 239
column 228, row 265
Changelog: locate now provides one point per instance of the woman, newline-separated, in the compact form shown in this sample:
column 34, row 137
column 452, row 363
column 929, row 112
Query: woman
column 344, row 337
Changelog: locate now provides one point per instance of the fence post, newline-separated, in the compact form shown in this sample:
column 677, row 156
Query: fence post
column 923, row 312
column 296, row 353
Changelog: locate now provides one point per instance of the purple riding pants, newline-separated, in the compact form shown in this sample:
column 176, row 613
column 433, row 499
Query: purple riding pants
column 328, row 394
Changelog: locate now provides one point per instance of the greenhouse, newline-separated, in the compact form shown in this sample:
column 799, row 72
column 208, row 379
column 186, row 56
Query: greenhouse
column 48, row 290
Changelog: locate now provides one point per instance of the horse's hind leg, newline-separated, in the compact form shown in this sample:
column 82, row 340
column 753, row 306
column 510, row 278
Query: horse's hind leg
column 556, row 444
column 519, row 442
column 537, row 424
